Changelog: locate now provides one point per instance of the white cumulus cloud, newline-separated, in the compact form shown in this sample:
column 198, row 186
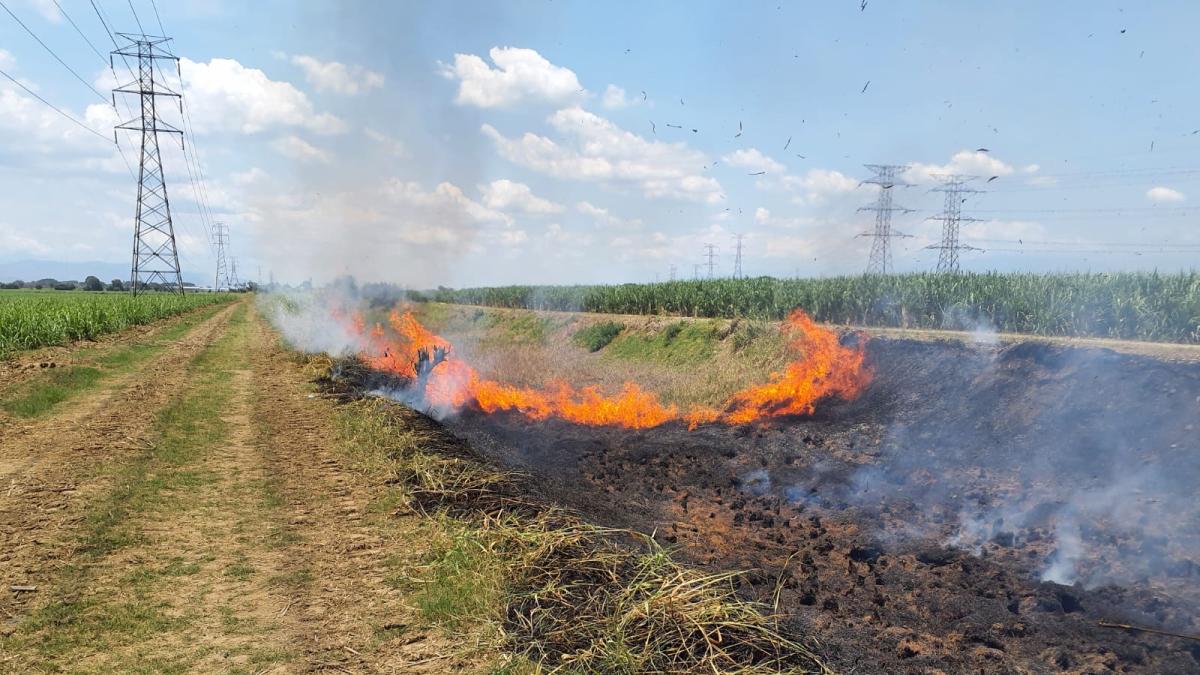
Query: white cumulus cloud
column 294, row 147
column 614, row 98
column 1162, row 194
column 336, row 77
column 602, row 216
column 965, row 162
column 595, row 149
column 519, row 75
column 224, row 95
column 507, row 195
column 390, row 144
column 753, row 160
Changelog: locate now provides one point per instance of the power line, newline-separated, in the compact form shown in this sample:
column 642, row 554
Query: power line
column 135, row 18
column 47, row 48
column 77, row 30
column 157, row 17
column 104, row 23
column 54, row 107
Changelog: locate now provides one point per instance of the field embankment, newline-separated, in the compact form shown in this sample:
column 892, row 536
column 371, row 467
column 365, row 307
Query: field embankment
column 1127, row 306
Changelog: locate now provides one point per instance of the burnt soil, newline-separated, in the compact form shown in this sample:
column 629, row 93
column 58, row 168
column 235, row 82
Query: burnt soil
column 909, row 530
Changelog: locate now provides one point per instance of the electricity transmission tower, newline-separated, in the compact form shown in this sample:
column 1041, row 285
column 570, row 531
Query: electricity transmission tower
column 673, row 273
column 220, row 241
column 696, row 271
column 711, row 255
column 234, row 282
column 954, row 186
column 155, row 256
column 880, row 261
column 737, row 257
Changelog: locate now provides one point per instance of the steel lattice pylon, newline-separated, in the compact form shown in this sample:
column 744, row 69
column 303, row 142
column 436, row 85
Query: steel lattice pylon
column 954, row 187
column 880, row 261
column 221, row 244
column 155, row 256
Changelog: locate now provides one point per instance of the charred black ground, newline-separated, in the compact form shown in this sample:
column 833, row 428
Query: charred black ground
column 910, row 529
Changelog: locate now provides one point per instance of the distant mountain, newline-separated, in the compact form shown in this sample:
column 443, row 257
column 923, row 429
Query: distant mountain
column 32, row 270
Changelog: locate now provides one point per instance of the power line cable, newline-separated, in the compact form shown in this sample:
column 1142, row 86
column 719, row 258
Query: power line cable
column 47, row 48
column 157, row 17
column 135, row 18
column 55, row 108
column 77, row 30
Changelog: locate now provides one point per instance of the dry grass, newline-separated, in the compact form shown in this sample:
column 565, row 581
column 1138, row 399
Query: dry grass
column 736, row 353
column 559, row 594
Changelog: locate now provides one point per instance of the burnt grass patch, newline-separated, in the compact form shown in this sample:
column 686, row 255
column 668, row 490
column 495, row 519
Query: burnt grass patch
column 577, row 597
column 978, row 509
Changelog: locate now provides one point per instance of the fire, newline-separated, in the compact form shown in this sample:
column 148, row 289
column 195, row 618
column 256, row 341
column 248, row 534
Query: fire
column 822, row 367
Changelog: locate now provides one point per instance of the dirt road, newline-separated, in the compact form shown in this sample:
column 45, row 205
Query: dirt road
column 194, row 514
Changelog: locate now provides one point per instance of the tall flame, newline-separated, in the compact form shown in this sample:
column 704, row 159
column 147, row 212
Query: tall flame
column 821, row 367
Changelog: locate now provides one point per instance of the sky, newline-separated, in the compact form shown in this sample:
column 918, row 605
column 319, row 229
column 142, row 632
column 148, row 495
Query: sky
column 475, row 143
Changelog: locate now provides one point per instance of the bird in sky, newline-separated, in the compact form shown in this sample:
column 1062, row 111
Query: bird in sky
column 756, row 173
column 789, row 142
column 864, row 89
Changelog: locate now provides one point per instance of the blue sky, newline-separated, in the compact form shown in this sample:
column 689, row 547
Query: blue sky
column 482, row 143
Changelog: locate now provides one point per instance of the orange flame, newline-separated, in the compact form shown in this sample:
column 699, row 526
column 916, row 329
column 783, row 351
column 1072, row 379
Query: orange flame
column 821, row 368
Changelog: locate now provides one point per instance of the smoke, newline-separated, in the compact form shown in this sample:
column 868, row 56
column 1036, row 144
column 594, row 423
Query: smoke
column 1079, row 465
column 305, row 319
column 981, row 328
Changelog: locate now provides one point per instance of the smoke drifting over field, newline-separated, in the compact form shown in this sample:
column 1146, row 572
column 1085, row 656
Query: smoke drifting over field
column 1037, row 448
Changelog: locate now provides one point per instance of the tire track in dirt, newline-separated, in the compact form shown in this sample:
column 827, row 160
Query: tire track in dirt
column 48, row 467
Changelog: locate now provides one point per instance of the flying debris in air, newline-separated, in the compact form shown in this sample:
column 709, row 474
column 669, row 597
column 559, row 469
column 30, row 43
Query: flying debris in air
column 863, row 7
column 653, row 129
column 739, row 133
column 801, row 156
column 1122, row 31
column 992, row 178
column 674, row 126
column 864, row 89
column 680, row 101
column 982, row 150
column 1151, row 146
column 643, row 94
column 695, row 131
column 756, row 173
column 789, row 142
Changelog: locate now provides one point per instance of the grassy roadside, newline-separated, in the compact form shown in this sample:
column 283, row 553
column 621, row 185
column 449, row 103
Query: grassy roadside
column 537, row 589
column 101, row 609
column 52, row 386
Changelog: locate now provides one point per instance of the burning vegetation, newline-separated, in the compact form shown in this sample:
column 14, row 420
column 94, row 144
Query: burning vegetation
column 918, row 505
column 821, row 367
